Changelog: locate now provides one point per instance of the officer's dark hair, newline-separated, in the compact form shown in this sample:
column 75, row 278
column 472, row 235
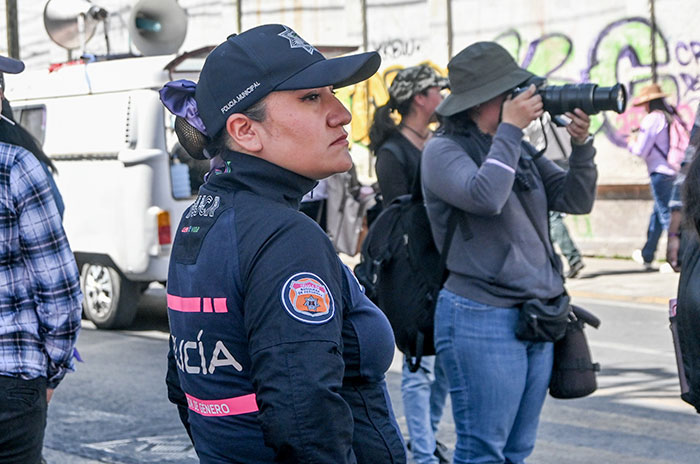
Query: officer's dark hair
column 18, row 135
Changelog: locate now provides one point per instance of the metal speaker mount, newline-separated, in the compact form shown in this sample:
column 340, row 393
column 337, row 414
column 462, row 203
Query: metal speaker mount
column 72, row 23
column 158, row 27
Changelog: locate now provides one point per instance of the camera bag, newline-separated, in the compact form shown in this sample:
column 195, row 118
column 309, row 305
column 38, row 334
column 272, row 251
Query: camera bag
column 540, row 322
column 573, row 371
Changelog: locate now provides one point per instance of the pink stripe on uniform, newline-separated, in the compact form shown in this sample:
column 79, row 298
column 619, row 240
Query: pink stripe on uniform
column 188, row 305
column 224, row 407
column 195, row 304
column 220, row 305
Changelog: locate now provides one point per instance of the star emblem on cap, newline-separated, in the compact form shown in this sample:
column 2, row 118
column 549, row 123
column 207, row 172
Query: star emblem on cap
column 295, row 41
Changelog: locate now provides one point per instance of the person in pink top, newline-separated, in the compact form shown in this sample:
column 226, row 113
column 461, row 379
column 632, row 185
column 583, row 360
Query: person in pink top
column 652, row 145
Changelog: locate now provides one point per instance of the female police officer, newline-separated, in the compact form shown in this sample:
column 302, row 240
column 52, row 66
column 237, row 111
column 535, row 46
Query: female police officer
column 280, row 356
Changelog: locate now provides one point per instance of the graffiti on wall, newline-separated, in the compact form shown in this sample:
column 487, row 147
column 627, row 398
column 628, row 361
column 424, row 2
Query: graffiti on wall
column 397, row 48
column 620, row 52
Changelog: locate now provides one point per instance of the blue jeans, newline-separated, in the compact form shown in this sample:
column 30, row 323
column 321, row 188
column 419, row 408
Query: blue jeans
column 424, row 393
column 661, row 188
column 498, row 383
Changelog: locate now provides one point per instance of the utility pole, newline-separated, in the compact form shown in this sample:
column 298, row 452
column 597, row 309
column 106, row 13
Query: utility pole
column 12, row 28
column 652, row 16
column 365, row 48
column 239, row 15
column 450, row 32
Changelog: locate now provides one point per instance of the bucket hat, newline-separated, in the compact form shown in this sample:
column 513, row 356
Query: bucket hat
column 479, row 73
column 250, row 65
column 649, row 93
column 411, row 81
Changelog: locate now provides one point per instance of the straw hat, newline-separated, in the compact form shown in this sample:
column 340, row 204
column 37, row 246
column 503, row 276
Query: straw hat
column 649, row 93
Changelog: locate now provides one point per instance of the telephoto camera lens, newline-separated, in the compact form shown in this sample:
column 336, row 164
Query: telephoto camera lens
column 590, row 98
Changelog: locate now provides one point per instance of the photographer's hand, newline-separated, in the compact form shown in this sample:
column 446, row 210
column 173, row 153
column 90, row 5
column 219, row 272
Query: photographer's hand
column 523, row 109
column 578, row 128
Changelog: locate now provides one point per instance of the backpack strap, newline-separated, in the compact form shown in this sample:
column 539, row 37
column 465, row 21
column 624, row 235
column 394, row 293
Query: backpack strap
column 392, row 147
column 670, row 119
column 452, row 221
column 455, row 218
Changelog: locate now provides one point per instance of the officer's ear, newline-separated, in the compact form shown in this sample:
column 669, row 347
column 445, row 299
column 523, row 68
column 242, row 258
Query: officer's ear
column 245, row 133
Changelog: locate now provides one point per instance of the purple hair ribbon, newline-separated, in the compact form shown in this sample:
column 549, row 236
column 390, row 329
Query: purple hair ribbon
column 178, row 97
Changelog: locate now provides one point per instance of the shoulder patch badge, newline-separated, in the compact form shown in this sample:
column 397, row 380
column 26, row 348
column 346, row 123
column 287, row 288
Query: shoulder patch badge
column 307, row 298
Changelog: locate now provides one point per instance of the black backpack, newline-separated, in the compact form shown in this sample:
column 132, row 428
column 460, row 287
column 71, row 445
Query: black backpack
column 403, row 272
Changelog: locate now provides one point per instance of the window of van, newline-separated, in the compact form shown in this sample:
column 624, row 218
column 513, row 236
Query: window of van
column 187, row 173
column 33, row 118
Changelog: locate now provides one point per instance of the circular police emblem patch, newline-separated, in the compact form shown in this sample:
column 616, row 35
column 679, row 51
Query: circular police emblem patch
column 307, row 298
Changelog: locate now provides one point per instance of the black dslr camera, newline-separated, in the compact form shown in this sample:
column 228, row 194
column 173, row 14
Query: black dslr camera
column 558, row 99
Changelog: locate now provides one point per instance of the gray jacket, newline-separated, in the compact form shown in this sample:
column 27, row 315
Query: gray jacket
column 498, row 258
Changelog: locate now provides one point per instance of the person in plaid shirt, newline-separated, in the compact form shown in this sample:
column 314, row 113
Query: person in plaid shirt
column 40, row 298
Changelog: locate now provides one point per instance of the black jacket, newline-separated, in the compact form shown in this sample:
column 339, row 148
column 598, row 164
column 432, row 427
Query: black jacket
column 688, row 315
column 279, row 354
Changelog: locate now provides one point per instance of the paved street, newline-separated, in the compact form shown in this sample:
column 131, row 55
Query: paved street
column 114, row 408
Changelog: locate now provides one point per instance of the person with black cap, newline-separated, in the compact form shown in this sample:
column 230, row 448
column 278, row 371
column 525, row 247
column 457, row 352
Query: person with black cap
column 479, row 170
column 414, row 94
column 40, row 299
column 276, row 355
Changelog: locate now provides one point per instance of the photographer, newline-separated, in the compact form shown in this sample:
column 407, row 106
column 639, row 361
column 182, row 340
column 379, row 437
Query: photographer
column 497, row 259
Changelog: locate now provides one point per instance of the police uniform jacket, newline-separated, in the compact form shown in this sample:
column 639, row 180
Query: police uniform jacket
column 279, row 355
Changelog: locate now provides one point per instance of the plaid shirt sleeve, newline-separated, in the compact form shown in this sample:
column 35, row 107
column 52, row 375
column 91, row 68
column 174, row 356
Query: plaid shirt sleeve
column 50, row 263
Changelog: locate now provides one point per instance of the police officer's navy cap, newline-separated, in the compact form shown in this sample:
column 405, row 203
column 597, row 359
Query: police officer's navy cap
column 10, row 65
column 248, row 66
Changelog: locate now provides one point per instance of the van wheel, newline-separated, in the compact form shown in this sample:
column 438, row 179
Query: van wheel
column 109, row 299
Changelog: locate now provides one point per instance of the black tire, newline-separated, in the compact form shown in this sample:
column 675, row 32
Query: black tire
column 109, row 299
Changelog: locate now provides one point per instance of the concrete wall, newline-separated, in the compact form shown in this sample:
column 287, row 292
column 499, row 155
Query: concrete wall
column 601, row 41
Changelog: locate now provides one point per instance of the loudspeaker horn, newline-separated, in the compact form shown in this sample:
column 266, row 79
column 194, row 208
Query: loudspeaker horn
column 71, row 23
column 158, row 27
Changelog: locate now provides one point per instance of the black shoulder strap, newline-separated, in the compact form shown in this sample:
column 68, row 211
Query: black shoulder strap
column 394, row 148
column 452, row 221
column 531, row 216
column 468, row 146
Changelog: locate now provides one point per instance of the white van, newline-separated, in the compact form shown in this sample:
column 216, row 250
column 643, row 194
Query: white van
column 122, row 183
